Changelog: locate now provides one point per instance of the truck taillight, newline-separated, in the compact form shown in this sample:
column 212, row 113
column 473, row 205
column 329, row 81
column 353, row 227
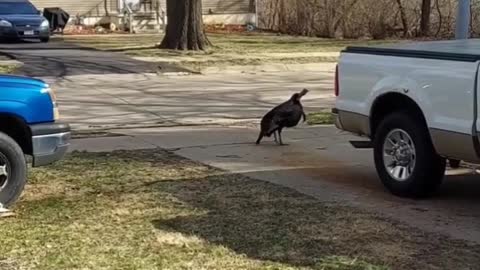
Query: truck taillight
column 337, row 84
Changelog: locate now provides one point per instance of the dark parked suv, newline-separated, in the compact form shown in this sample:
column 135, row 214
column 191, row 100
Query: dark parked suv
column 19, row 19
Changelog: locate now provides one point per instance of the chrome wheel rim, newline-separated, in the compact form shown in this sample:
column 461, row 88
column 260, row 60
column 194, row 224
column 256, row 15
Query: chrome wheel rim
column 399, row 156
column 4, row 172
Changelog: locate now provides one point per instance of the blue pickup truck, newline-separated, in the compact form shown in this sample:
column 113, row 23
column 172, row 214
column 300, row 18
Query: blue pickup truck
column 29, row 126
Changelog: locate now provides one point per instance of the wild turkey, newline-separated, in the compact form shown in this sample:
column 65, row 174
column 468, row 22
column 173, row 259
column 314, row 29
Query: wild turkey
column 286, row 115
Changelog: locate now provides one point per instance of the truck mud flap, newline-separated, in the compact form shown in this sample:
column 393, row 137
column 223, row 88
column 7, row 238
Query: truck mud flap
column 362, row 144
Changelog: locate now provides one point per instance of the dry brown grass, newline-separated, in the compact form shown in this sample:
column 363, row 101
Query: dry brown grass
column 227, row 49
column 154, row 210
column 321, row 118
column 8, row 68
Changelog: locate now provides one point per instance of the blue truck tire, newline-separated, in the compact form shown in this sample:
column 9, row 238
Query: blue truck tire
column 13, row 170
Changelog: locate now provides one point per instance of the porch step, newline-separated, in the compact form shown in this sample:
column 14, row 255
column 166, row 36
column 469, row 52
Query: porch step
column 146, row 22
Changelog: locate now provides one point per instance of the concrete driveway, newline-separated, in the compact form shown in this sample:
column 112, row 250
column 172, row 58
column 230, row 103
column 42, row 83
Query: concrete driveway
column 104, row 90
column 99, row 90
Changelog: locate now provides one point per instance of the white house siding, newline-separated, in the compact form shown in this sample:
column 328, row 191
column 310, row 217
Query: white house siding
column 216, row 11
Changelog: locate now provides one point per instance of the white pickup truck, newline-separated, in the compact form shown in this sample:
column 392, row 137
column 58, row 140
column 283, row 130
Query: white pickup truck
column 417, row 103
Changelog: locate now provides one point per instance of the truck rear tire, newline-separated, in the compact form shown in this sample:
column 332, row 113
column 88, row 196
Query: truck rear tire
column 405, row 158
column 13, row 170
column 454, row 163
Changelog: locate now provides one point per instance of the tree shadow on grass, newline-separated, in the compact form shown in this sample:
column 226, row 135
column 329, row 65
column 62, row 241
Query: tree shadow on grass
column 272, row 223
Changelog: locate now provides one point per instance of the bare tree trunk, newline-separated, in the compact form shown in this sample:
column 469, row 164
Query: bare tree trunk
column 403, row 16
column 425, row 20
column 283, row 17
column 472, row 27
column 329, row 19
column 185, row 26
column 105, row 6
column 251, row 5
column 301, row 18
column 440, row 17
column 345, row 12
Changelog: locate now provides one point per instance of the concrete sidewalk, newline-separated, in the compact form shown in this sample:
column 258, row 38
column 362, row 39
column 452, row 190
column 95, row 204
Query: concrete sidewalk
column 319, row 162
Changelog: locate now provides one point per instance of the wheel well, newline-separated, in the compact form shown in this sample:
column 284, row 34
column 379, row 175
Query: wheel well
column 393, row 102
column 18, row 130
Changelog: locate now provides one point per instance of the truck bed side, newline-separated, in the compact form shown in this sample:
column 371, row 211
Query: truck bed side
column 444, row 89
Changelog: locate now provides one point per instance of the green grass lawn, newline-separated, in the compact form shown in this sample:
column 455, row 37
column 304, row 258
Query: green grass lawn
column 227, row 49
column 7, row 69
column 321, row 118
column 154, row 210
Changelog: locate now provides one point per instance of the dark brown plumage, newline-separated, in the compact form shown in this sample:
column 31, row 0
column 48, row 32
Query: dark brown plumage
column 286, row 115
